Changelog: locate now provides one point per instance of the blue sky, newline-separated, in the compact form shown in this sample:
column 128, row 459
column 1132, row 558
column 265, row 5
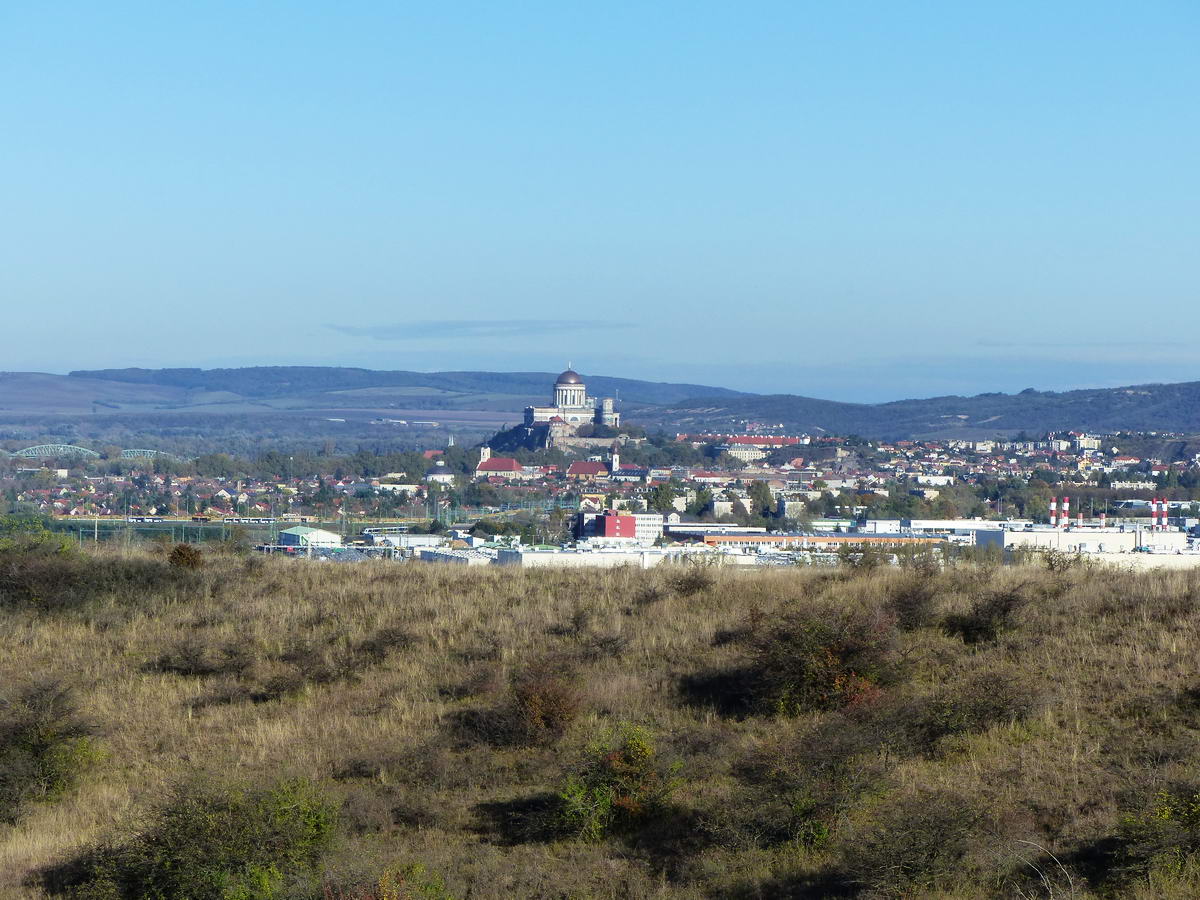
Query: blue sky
column 859, row 201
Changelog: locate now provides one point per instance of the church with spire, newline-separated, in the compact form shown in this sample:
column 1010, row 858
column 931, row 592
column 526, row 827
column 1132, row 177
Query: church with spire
column 573, row 407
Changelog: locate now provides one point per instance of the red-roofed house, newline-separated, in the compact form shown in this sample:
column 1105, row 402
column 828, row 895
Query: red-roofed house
column 587, row 470
column 499, row 466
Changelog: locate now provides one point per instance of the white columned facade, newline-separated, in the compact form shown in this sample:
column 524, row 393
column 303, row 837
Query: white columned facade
column 570, row 396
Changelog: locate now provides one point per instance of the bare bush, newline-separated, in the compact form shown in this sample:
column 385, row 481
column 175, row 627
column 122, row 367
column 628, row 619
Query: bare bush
column 546, row 700
column 693, row 580
column 821, row 658
column 912, row 599
column 914, row 842
column 988, row 617
column 973, row 704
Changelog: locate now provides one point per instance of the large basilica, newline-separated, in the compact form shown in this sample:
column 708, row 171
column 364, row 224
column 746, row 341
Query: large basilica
column 573, row 407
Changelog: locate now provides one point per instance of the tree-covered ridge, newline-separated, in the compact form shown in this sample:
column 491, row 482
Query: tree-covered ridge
column 276, row 381
column 670, row 406
column 1151, row 407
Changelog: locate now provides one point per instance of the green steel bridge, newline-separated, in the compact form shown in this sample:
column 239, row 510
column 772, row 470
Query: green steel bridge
column 57, row 451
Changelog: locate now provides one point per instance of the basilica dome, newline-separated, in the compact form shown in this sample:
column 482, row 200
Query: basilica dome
column 569, row 377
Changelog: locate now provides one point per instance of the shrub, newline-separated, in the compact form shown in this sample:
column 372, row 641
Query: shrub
column 648, row 596
column 194, row 658
column 912, row 843
column 1165, row 836
column 692, row 581
column 911, row 599
column 410, row 882
column 593, row 645
column 800, row 786
column 27, row 533
column 51, row 578
column 543, row 701
column 974, row 704
column 44, row 747
column 602, row 646
column 185, row 556
column 621, row 783
column 821, row 658
column 862, row 559
column 376, row 648
column 987, row 618
column 921, row 559
column 208, row 842
column 546, row 700
column 374, row 807
column 304, row 662
column 1061, row 561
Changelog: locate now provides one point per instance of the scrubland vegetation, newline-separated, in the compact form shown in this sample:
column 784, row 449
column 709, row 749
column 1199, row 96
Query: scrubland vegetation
column 182, row 726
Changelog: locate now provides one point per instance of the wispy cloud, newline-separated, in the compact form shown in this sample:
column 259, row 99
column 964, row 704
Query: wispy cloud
column 1081, row 345
column 477, row 328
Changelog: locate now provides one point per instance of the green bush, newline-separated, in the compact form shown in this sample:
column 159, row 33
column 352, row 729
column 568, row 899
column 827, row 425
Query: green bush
column 1165, row 836
column 49, row 577
column 44, row 747
column 30, row 534
column 621, row 783
column 205, row 843
column 410, row 882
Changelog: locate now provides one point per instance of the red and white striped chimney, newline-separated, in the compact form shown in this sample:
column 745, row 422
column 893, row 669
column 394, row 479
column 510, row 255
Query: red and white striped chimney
column 1053, row 512
column 1066, row 512
column 1103, row 519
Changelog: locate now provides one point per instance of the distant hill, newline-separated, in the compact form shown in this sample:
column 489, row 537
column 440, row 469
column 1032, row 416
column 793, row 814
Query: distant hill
column 1148, row 407
column 670, row 406
column 333, row 387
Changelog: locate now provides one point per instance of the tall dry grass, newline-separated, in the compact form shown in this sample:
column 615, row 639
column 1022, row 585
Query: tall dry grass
column 384, row 683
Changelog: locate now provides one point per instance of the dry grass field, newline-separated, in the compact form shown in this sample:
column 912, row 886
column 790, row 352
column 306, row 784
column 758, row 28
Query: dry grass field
column 240, row 727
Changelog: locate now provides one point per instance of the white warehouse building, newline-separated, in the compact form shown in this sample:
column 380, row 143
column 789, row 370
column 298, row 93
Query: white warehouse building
column 307, row 536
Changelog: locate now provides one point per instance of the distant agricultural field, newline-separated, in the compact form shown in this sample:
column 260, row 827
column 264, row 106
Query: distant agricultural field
column 178, row 723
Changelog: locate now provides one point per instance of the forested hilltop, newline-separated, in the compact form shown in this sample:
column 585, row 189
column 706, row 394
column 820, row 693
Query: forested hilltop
column 280, row 381
column 671, row 407
column 1149, row 407
column 181, row 723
